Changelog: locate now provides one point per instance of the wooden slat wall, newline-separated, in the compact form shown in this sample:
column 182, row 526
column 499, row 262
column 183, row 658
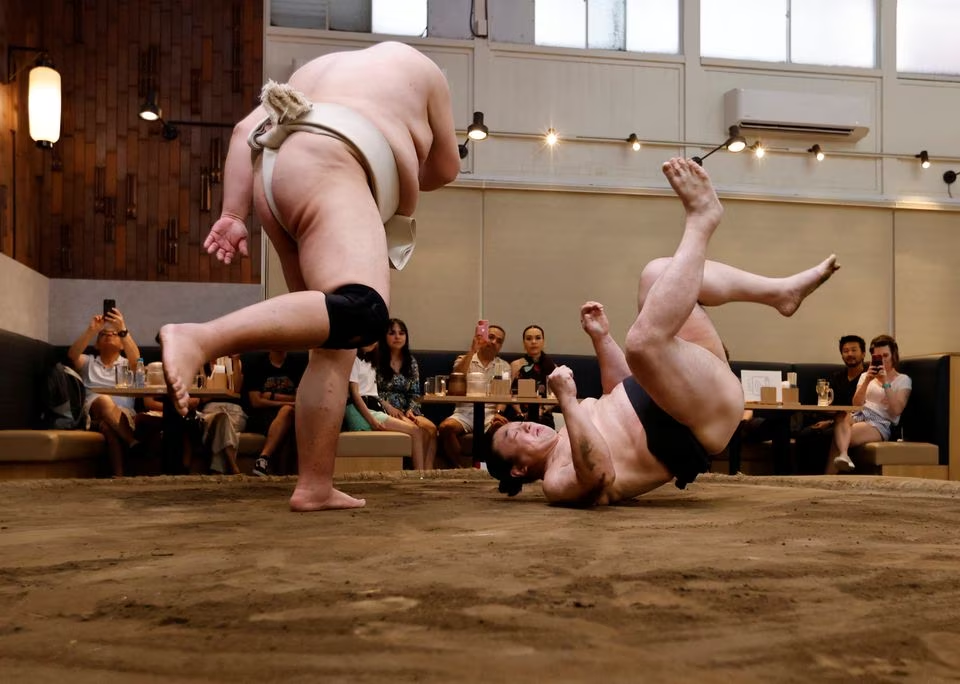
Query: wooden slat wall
column 207, row 59
column 20, row 162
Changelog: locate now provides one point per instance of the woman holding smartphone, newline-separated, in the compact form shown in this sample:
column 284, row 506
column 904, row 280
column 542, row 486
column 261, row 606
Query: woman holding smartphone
column 883, row 393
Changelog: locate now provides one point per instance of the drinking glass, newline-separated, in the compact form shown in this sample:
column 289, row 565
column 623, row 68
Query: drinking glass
column 120, row 375
column 430, row 386
column 199, row 381
column 824, row 393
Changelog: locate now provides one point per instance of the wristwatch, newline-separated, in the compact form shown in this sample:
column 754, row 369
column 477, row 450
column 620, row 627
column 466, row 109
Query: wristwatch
column 123, row 333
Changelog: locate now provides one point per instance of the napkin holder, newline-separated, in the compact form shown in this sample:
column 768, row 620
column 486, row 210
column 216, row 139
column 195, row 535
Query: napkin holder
column 499, row 387
column 768, row 395
column 526, row 387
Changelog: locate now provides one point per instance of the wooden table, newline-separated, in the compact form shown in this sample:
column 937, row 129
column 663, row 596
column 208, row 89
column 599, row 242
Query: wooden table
column 479, row 403
column 161, row 391
column 172, row 427
column 781, row 445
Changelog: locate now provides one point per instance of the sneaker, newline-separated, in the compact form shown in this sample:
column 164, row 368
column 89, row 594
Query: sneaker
column 261, row 467
column 843, row 463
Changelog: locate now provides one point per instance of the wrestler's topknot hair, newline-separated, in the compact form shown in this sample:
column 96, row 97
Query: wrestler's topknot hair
column 497, row 465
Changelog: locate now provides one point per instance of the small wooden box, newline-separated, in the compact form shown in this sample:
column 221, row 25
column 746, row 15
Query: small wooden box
column 768, row 395
column 790, row 395
column 217, row 381
column 527, row 387
column 499, row 387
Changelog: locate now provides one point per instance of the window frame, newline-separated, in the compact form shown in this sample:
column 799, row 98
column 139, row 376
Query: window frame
column 621, row 50
column 802, row 66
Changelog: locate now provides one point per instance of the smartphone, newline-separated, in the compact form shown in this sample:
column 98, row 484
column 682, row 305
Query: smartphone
column 483, row 328
column 876, row 360
column 108, row 306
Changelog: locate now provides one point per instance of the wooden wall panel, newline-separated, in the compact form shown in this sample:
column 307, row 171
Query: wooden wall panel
column 205, row 62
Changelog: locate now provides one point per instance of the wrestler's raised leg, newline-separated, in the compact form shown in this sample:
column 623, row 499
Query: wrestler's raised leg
column 723, row 284
column 686, row 378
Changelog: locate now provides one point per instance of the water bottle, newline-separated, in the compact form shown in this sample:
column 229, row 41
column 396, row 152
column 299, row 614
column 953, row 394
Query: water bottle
column 140, row 375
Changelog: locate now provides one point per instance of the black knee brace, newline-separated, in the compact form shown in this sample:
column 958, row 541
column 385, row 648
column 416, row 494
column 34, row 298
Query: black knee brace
column 358, row 317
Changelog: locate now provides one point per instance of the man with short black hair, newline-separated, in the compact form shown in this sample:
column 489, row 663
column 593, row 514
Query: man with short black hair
column 482, row 357
column 813, row 441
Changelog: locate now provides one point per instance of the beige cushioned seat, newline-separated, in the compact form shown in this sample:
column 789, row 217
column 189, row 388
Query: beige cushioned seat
column 896, row 453
column 49, row 453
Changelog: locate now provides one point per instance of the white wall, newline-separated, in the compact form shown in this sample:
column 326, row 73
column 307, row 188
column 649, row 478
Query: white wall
column 24, row 299
column 525, row 89
column 145, row 305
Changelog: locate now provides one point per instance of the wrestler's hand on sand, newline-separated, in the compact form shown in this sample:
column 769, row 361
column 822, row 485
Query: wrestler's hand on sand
column 561, row 382
column 594, row 320
column 227, row 237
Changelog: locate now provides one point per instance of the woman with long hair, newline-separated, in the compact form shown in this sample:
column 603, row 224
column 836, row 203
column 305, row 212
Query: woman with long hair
column 535, row 365
column 365, row 410
column 398, row 381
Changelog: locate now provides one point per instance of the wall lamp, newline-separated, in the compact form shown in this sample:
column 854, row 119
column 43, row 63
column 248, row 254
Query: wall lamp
column 734, row 143
column 634, row 142
column 949, row 177
column 924, row 159
column 44, row 101
column 817, row 152
column 759, row 151
column 476, row 131
column 150, row 111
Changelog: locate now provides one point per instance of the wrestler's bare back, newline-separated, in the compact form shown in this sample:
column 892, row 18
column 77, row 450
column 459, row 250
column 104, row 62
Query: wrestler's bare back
column 637, row 470
column 396, row 101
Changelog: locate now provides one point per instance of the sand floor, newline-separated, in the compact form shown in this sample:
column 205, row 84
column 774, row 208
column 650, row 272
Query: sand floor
column 444, row 580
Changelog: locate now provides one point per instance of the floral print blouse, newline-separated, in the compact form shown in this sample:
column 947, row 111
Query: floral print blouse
column 401, row 391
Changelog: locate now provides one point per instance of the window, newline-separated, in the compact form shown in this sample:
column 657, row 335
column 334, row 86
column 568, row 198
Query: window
column 560, row 23
column 635, row 25
column 826, row 32
column 653, row 26
column 394, row 17
column 927, row 36
column 399, row 17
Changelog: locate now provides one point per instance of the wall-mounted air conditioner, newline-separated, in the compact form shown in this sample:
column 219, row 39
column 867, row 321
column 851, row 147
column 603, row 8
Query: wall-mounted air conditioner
column 785, row 114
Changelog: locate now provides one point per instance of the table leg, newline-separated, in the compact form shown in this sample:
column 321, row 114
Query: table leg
column 733, row 451
column 171, row 440
column 479, row 413
column 781, row 445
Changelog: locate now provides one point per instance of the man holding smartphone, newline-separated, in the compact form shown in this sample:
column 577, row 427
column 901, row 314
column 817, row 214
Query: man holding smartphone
column 111, row 416
column 483, row 357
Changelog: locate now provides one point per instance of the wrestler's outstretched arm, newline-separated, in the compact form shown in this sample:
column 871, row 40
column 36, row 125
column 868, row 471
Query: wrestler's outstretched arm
column 592, row 466
column 443, row 161
column 613, row 364
column 229, row 234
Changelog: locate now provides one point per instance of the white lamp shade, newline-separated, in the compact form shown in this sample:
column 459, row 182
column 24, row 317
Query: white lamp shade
column 43, row 104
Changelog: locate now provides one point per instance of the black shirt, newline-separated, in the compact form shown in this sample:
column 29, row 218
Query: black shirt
column 844, row 389
column 263, row 376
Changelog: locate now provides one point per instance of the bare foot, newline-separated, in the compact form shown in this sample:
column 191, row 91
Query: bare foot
column 692, row 185
column 305, row 500
column 801, row 285
column 182, row 358
column 594, row 321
